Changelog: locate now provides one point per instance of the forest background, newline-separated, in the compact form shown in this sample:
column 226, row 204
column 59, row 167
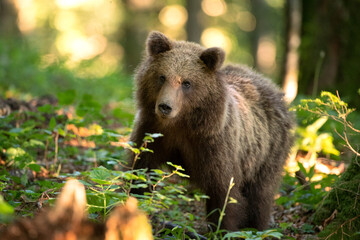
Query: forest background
column 84, row 53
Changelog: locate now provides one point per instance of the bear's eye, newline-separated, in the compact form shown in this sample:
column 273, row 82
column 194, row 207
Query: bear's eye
column 186, row 84
column 162, row 79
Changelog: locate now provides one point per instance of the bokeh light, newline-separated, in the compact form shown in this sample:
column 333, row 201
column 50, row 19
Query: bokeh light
column 141, row 4
column 26, row 15
column 79, row 46
column 173, row 16
column 213, row 37
column 246, row 21
column 213, row 8
column 266, row 54
column 68, row 4
column 276, row 3
column 65, row 20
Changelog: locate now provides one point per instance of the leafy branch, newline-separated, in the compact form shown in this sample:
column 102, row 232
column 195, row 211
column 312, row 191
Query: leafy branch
column 149, row 138
column 330, row 105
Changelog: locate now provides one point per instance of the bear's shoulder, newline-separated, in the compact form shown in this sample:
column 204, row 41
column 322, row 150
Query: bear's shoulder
column 241, row 79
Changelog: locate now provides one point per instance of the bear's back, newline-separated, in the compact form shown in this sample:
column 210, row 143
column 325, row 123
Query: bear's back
column 259, row 91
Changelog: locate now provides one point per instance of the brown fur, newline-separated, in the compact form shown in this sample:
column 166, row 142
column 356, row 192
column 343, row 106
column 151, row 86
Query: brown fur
column 230, row 122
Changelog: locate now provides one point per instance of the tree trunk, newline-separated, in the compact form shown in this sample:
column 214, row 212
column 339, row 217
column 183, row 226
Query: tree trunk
column 133, row 32
column 265, row 49
column 194, row 27
column 291, row 70
column 8, row 19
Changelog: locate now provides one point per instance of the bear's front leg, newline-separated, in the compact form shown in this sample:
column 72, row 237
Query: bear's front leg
column 260, row 200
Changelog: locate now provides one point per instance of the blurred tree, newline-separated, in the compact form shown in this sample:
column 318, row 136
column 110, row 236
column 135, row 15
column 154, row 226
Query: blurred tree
column 130, row 36
column 266, row 47
column 194, row 27
column 329, row 57
column 8, row 19
column 291, row 68
column 140, row 16
column 263, row 26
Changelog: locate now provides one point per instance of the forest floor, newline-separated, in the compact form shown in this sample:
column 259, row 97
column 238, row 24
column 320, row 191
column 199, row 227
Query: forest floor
column 291, row 213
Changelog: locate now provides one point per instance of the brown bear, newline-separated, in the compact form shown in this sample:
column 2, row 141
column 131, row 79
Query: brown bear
column 217, row 122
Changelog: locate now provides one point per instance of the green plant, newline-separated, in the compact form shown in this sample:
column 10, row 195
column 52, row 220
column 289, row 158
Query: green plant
column 227, row 201
column 331, row 106
column 309, row 195
column 6, row 210
column 312, row 142
column 254, row 235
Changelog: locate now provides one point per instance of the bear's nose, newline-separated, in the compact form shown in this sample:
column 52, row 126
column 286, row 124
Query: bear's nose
column 164, row 108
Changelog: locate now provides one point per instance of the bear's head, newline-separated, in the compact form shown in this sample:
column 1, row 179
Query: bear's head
column 179, row 80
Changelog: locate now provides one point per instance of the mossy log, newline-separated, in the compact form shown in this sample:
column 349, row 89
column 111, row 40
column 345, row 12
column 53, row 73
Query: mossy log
column 339, row 213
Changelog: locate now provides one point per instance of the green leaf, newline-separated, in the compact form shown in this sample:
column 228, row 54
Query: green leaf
column 142, row 149
column 61, row 132
column 178, row 167
column 313, row 128
column 240, row 234
column 232, row 200
column 271, row 233
column 100, row 181
column 36, row 143
column 285, row 225
column 158, row 171
column 24, row 179
column 182, row 175
column 66, row 97
column 35, row 167
column 47, row 108
column 85, row 183
column 13, row 153
column 100, row 173
column 5, row 208
column 52, row 123
column 187, row 199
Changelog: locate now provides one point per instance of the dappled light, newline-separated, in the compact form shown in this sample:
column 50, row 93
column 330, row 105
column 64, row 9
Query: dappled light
column 266, row 54
column 78, row 37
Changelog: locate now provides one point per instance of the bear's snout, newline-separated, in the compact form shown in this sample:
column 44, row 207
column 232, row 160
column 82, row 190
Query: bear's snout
column 165, row 108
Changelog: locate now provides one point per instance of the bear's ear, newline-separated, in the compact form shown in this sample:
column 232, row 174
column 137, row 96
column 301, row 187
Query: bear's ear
column 213, row 58
column 157, row 43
